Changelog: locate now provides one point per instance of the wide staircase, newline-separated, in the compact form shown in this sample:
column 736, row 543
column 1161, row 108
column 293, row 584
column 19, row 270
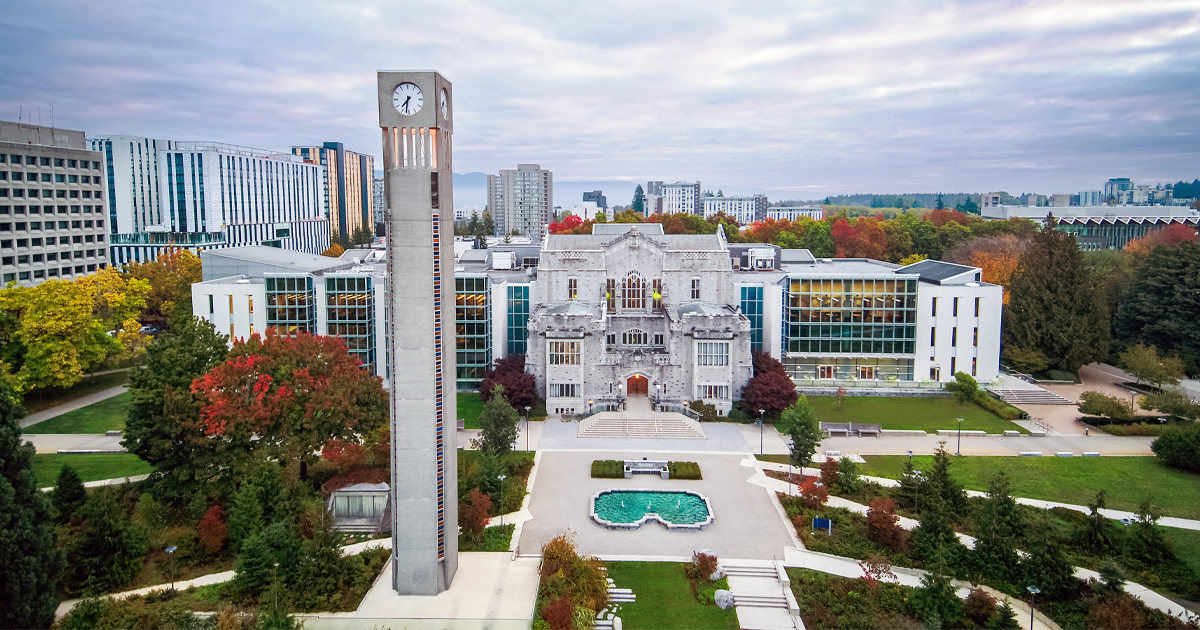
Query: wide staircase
column 1037, row 396
column 640, row 421
column 763, row 600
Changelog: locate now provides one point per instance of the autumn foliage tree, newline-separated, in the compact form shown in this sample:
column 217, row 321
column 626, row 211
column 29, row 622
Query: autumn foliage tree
column 520, row 389
column 286, row 397
column 212, row 532
column 883, row 524
column 170, row 279
column 473, row 513
column 770, row 389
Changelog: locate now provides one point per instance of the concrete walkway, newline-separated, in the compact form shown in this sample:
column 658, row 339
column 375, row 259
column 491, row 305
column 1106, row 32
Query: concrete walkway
column 66, row 407
column 55, row 442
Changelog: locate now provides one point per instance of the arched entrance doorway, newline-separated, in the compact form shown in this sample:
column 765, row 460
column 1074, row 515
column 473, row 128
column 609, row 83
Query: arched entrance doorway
column 637, row 385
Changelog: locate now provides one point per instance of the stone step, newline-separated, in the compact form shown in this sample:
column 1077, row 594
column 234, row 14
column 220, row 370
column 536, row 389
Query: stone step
column 649, row 426
column 751, row 572
column 760, row 601
column 1031, row 397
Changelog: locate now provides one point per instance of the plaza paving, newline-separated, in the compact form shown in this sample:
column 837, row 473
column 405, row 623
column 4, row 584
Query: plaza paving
column 747, row 523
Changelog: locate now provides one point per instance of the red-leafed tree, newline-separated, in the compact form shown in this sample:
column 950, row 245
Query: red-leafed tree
column 520, row 389
column 882, row 524
column 844, row 238
column 813, row 493
column 770, row 389
column 473, row 513
column 829, row 472
column 567, row 225
column 287, row 397
column 869, row 239
column 212, row 531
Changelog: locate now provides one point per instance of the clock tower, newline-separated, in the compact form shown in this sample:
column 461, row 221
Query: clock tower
column 415, row 111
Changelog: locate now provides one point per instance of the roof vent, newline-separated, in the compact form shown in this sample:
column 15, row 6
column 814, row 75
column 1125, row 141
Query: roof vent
column 972, row 284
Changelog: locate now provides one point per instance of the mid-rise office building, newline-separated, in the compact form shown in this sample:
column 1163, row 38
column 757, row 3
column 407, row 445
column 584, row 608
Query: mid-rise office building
column 201, row 195
column 53, row 222
column 1115, row 188
column 521, row 200
column 379, row 203
column 745, row 210
column 791, row 213
column 597, row 197
column 1090, row 198
column 349, row 187
column 681, row 197
column 1103, row 227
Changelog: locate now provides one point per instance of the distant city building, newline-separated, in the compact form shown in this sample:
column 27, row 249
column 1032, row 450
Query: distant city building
column 1103, row 227
column 131, row 166
column 596, row 197
column 1090, row 198
column 349, row 186
column 521, row 199
column 744, row 210
column 1115, row 187
column 990, row 200
column 654, row 188
column 378, row 203
column 52, row 205
column 462, row 214
column 791, row 213
column 681, row 197
column 1060, row 200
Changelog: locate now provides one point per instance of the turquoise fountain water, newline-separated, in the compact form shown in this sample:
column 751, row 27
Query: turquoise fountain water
column 628, row 506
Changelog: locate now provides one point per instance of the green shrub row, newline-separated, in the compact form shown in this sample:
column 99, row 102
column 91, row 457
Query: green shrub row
column 998, row 407
column 684, row 470
column 608, row 469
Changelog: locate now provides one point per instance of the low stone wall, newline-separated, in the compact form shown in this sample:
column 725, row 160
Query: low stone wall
column 896, row 392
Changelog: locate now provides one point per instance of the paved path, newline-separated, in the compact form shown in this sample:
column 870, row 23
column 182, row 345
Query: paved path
column 55, row 442
column 78, row 403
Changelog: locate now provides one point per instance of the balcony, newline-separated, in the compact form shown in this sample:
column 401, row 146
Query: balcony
column 168, row 238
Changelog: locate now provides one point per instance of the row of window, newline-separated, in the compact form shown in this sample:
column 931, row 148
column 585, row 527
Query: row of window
column 21, row 226
column 712, row 392
column 564, row 353
column 935, row 373
column 634, row 337
column 19, row 193
column 953, row 337
column 48, row 209
column 26, row 259
column 58, row 178
column 563, row 390
column 34, row 160
column 953, row 308
column 78, row 239
column 40, row 274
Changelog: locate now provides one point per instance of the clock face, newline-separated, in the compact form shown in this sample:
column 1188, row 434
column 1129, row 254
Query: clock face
column 408, row 99
column 445, row 104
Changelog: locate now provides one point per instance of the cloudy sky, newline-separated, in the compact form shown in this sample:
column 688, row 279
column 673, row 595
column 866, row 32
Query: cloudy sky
column 798, row 99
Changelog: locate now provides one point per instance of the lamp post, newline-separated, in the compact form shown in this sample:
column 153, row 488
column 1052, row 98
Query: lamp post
column 1125, row 538
column 959, row 437
column 171, row 554
column 502, row 478
column 1033, row 590
column 791, row 453
column 527, row 407
column 1132, row 395
column 761, row 414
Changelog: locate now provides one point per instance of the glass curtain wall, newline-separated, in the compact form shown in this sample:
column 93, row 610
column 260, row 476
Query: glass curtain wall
column 291, row 305
column 829, row 321
column 752, row 308
column 350, row 308
column 472, row 330
column 518, row 319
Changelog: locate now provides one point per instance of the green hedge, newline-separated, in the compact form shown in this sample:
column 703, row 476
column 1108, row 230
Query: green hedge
column 998, row 407
column 684, row 470
column 608, row 469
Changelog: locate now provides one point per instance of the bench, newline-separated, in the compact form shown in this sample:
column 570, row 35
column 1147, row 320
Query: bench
column 1012, row 434
column 462, row 424
column 1031, row 453
column 1064, row 454
column 644, row 466
column 1091, row 454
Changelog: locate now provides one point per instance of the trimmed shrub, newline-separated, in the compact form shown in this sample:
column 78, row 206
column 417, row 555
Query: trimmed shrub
column 609, row 469
column 1179, row 448
column 1060, row 375
column 683, row 470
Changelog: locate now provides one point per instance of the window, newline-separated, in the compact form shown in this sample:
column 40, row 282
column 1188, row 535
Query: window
column 975, row 341
column 564, row 353
column 934, row 313
column 58, row 162
column 52, row 256
column 251, row 329
column 231, row 304
column 933, row 336
column 250, row 302
column 22, row 260
column 563, row 390
column 935, row 373
column 35, row 242
column 610, row 294
column 974, row 365
column 867, row 372
column 953, row 337
column 658, row 340
column 7, row 260
column 633, row 290
column 712, row 392
column 37, row 258
column 976, row 307
column 827, row 371
column 695, row 288
column 712, row 353
column 656, row 288
column 572, row 288
column 45, row 161
column 953, row 371
column 72, row 163
column 955, row 307
column 95, row 166
column 612, row 339
column 211, row 305
column 633, row 338
column 231, row 330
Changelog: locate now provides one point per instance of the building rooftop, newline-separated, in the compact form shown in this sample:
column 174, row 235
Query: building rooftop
column 1098, row 212
column 257, row 260
column 615, row 229
column 36, row 135
column 936, row 271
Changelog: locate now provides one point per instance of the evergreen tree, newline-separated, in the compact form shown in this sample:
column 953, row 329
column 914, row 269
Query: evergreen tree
column 69, row 494
column 1160, row 304
column 1004, row 619
column 940, row 204
column 937, row 601
column 909, row 493
column 1046, row 566
column 323, row 570
column 933, row 538
column 1055, row 303
column 489, row 226
column 498, row 424
column 111, row 548
column 274, row 551
column 819, row 241
column 804, row 430
column 261, row 501
column 639, row 199
column 164, row 427
column 1146, row 541
column 952, row 494
column 996, row 526
column 474, row 225
column 30, row 563
column 1097, row 533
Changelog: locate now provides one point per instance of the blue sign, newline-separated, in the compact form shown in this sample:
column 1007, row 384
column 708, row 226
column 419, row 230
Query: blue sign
column 818, row 523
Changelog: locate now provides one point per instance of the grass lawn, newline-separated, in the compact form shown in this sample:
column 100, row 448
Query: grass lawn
column 90, row 467
column 106, row 415
column 469, row 408
column 924, row 414
column 1126, row 480
column 40, row 400
column 1187, row 545
column 664, row 598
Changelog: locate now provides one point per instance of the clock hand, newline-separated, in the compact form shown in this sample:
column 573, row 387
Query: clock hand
column 406, row 100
